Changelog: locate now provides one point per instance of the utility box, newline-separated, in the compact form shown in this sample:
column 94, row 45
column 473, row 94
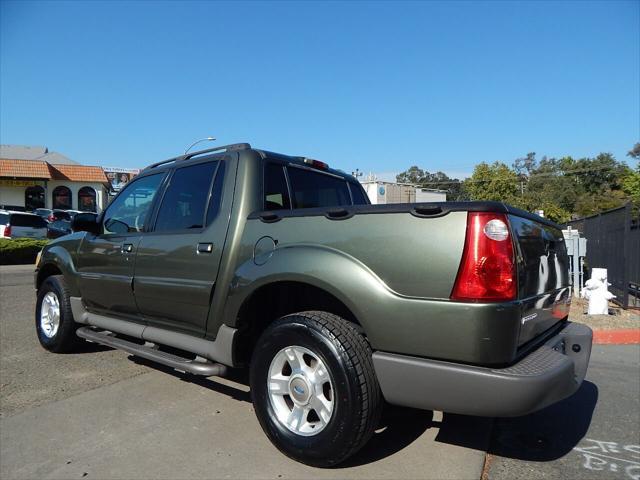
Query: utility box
column 577, row 250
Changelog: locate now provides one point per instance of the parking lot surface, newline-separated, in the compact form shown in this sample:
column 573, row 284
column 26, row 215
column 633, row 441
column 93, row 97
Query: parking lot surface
column 594, row 434
column 104, row 414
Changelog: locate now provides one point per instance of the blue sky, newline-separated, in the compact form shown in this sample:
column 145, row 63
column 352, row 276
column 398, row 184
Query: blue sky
column 376, row 86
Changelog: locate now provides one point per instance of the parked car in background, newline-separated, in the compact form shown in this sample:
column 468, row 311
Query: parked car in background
column 14, row 208
column 44, row 213
column 20, row 224
column 58, row 214
column 59, row 228
column 73, row 213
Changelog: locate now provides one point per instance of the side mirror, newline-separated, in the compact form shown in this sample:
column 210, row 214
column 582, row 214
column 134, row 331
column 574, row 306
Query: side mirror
column 86, row 222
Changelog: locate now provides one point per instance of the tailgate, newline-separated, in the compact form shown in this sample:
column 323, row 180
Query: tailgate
column 543, row 275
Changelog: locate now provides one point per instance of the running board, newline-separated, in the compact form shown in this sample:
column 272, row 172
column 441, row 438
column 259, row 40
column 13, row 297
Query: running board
column 150, row 352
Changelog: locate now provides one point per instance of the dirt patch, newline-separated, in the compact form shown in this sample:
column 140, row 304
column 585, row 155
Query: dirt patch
column 618, row 318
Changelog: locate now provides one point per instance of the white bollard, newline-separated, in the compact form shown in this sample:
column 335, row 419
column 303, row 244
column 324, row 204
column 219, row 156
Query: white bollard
column 595, row 290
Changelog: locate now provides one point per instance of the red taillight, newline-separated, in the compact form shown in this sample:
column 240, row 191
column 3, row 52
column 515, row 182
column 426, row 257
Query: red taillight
column 51, row 218
column 7, row 231
column 487, row 270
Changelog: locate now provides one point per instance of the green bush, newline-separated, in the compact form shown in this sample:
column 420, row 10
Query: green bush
column 16, row 251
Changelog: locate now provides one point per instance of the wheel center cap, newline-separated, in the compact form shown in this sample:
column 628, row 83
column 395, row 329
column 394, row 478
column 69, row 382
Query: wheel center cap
column 299, row 390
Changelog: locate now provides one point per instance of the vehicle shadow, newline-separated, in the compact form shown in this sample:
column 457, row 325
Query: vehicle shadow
column 398, row 428
column 89, row 347
column 236, row 375
column 548, row 434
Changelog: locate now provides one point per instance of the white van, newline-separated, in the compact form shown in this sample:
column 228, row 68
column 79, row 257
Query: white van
column 21, row 225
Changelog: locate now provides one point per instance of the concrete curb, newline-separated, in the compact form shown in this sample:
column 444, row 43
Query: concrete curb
column 628, row 336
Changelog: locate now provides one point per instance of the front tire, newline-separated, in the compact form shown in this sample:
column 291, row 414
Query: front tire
column 314, row 388
column 54, row 321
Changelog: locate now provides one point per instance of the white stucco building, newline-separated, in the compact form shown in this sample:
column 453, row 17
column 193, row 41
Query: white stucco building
column 33, row 177
column 380, row 192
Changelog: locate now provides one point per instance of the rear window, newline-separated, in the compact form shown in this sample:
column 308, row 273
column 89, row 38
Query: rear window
column 358, row 195
column 311, row 189
column 4, row 218
column 34, row 221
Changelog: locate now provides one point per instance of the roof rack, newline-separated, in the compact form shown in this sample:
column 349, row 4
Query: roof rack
column 226, row 148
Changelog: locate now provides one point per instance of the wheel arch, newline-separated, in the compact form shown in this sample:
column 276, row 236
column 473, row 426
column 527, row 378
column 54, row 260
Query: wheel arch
column 56, row 260
column 47, row 270
column 277, row 299
column 299, row 279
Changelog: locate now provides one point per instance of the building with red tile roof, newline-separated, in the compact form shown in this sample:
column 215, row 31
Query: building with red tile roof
column 33, row 177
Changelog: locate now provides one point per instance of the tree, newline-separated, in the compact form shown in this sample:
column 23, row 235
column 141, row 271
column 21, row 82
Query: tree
column 413, row 175
column 438, row 180
column 590, row 204
column 525, row 165
column 564, row 187
column 631, row 184
column 492, row 182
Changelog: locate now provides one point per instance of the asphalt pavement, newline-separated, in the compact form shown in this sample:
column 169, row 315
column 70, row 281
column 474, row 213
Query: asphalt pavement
column 101, row 413
column 31, row 376
column 594, row 434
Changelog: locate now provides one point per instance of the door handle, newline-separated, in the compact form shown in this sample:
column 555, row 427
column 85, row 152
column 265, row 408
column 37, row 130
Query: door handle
column 205, row 248
column 127, row 248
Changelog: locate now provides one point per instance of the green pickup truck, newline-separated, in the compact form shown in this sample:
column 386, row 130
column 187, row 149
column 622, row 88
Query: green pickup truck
column 239, row 257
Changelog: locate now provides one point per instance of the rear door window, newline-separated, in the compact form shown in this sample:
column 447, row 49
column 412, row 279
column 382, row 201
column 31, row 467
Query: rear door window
column 33, row 221
column 311, row 189
column 358, row 195
column 276, row 194
column 184, row 203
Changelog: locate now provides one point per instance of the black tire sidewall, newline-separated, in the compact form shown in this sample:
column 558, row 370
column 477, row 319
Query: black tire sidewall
column 65, row 337
column 315, row 449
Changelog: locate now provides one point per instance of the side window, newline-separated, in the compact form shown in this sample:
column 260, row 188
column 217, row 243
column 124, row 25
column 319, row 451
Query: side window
column 276, row 195
column 186, row 198
column 358, row 195
column 313, row 189
column 130, row 209
column 215, row 200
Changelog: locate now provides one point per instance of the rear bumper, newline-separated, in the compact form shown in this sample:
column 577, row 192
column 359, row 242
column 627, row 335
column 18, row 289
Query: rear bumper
column 552, row 372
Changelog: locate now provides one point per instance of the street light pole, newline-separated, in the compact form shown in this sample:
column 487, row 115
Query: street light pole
column 208, row 139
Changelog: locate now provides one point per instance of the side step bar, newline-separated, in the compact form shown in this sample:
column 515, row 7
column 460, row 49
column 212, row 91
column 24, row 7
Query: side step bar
column 150, row 352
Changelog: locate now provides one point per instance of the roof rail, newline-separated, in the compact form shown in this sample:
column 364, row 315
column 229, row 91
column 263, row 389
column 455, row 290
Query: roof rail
column 226, row 148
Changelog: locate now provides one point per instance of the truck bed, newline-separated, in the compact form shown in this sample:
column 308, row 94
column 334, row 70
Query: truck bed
column 414, row 252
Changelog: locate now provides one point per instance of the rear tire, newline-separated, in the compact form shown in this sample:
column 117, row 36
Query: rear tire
column 54, row 321
column 314, row 388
